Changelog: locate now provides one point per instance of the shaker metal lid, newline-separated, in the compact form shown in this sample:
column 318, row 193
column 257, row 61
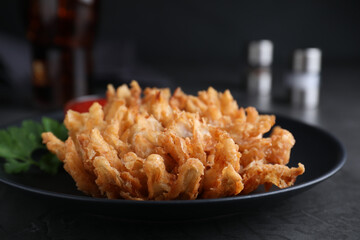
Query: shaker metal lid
column 260, row 53
column 307, row 60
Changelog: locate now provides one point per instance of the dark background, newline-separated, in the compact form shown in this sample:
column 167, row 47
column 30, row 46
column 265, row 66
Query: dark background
column 194, row 44
column 216, row 31
column 176, row 42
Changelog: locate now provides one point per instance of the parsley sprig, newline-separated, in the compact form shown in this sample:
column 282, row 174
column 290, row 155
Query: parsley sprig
column 18, row 144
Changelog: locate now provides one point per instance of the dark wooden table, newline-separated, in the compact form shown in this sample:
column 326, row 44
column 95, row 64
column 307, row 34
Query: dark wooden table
column 330, row 210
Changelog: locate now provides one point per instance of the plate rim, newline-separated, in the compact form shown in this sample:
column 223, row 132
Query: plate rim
column 302, row 186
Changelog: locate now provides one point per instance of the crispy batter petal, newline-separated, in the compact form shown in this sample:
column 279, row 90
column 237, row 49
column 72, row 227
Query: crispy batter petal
column 282, row 142
column 187, row 184
column 221, row 176
column 275, row 149
column 173, row 147
column 108, row 179
column 258, row 172
column 54, row 145
column 73, row 164
column 158, row 179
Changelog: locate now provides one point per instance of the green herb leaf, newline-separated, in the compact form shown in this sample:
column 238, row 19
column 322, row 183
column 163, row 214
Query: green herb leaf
column 16, row 166
column 17, row 145
column 58, row 129
column 49, row 163
column 6, row 145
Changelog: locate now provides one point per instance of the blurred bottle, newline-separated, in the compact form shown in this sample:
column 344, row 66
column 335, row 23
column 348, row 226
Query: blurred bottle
column 304, row 81
column 61, row 33
column 259, row 79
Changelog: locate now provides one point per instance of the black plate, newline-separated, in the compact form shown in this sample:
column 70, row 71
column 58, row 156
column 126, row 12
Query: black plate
column 321, row 153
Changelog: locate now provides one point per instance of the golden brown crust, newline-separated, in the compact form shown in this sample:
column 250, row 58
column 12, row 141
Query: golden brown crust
column 85, row 180
column 258, row 172
column 54, row 145
column 163, row 147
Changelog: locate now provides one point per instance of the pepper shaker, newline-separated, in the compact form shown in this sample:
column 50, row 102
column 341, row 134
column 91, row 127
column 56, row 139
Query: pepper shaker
column 304, row 81
column 260, row 58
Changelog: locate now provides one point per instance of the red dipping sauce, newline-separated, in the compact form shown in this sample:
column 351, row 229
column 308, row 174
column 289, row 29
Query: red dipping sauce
column 82, row 104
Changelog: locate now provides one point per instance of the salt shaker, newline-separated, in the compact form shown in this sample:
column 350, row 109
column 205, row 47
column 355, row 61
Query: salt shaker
column 259, row 78
column 304, row 81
